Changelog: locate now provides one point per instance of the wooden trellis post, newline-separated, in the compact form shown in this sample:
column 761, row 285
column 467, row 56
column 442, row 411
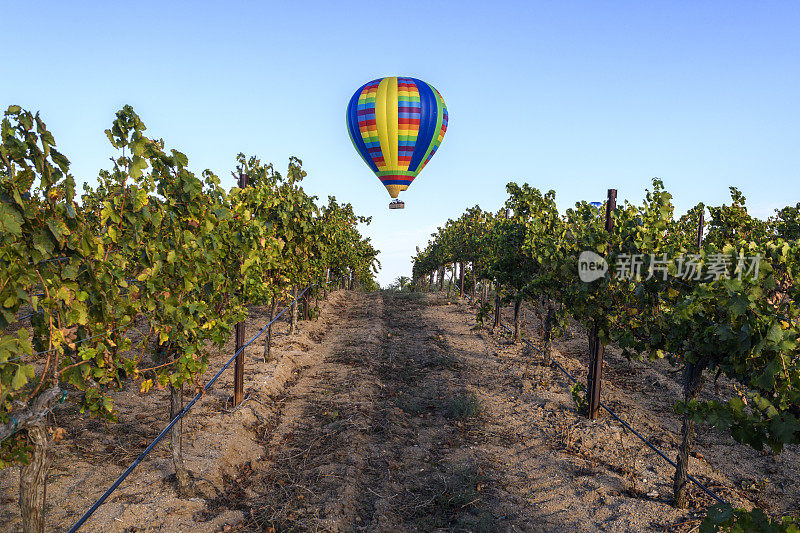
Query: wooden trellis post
column 461, row 282
column 594, row 378
column 238, row 370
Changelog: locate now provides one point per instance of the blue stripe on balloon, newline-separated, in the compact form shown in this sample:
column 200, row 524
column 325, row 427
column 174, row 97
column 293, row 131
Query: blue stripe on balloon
column 429, row 110
column 396, row 182
column 355, row 133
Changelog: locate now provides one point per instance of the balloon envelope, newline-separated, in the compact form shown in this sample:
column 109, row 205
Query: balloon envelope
column 396, row 124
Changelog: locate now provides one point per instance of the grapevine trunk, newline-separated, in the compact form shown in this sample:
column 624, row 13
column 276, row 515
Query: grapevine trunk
column 185, row 488
column 33, row 481
column 693, row 381
column 293, row 324
column 517, row 319
column 548, row 333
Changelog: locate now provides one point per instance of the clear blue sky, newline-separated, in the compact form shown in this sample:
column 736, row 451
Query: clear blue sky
column 573, row 96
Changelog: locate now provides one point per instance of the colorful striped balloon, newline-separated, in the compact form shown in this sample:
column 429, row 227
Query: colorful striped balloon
column 396, row 124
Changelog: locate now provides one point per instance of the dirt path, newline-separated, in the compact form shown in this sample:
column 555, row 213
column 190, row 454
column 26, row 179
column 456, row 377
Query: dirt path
column 415, row 422
column 365, row 442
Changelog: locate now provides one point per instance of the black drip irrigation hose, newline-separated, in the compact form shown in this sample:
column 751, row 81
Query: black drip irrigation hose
column 620, row 420
column 53, row 260
column 28, row 316
column 163, row 433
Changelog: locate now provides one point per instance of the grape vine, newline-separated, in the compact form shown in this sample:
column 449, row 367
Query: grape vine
column 742, row 323
column 151, row 247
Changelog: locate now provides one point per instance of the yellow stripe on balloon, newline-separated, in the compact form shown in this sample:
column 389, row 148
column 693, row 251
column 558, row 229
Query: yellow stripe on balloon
column 391, row 100
column 386, row 119
column 380, row 121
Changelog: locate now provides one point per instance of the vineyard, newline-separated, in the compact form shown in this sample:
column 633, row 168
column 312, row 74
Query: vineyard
column 178, row 356
column 716, row 301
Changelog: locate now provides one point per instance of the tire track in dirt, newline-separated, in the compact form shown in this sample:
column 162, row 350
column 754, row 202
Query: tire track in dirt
column 314, row 461
column 372, row 438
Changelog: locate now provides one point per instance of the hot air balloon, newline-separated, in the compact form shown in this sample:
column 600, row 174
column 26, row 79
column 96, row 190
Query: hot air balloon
column 396, row 125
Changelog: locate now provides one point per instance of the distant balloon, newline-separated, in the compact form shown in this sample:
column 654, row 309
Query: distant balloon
column 396, row 125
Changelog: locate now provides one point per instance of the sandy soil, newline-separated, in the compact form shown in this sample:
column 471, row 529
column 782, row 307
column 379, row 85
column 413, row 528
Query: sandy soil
column 217, row 442
column 392, row 413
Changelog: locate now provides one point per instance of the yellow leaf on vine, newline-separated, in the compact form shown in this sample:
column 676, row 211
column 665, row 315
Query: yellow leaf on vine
column 146, row 385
